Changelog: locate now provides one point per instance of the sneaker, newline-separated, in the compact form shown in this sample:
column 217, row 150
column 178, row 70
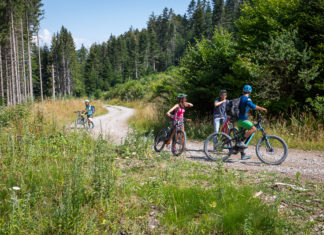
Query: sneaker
column 245, row 157
column 241, row 144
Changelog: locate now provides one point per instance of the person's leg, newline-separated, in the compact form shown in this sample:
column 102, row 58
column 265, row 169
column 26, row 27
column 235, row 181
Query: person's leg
column 216, row 124
column 216, row 129
column 248, row 126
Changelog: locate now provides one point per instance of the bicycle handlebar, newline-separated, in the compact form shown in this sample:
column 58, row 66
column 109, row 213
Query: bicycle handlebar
column 181, row 118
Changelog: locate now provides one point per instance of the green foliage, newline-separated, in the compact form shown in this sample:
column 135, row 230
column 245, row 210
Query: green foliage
column 262, row 19
column 220, row 208
column 65, row 179
column 210, row 66
column 279, row 67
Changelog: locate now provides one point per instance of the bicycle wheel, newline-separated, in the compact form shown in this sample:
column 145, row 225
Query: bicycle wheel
column 218, row 146
column 89, row 125
column 79, row 123
column 178, row 142
column 233, row 132
column 272, row 150
column 159, row 140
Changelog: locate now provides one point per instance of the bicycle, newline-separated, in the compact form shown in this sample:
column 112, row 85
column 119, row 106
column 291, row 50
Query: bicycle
column 82, row 121
column 228, row 128
column 174, row 132
column 270, row 149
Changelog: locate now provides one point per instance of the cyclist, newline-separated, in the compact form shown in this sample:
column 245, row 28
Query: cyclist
column 179, row 109
column 220, row 110
column 243, row 121
column 88, row 111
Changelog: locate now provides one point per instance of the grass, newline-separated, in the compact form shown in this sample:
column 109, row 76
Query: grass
column 61, row 110
column 70, row 183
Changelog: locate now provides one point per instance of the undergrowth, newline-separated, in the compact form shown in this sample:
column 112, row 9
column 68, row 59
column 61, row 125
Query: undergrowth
column 59, row 182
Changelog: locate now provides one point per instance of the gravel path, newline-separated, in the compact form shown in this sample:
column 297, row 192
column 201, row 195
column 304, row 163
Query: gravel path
column 310, row 164
column 113, row 125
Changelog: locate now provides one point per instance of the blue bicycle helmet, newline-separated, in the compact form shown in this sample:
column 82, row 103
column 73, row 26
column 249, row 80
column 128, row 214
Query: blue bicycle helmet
column 247, row 88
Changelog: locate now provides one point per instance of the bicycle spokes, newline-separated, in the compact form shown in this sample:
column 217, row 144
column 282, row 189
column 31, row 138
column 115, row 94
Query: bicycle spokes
column 272, row 150
column 218, row 146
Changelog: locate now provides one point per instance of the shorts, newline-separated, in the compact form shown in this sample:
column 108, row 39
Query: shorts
column 246, row 124
column 89, row 116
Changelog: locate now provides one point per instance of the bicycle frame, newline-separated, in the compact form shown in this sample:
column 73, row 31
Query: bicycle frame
column 259, row 128
column 227, row 126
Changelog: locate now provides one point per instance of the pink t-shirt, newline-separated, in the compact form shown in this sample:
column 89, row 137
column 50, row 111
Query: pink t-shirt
column 180, row 112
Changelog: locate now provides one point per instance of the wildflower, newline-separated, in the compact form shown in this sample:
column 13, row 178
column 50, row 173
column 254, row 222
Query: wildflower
column 16, row 188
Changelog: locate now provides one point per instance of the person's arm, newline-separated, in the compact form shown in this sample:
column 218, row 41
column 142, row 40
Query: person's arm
column 171, row 110
column 261, row 109
column 255, row 107
column 188, row 105
column 218, row 103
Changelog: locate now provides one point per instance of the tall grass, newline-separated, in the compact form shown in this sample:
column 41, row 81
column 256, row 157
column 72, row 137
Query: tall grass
column 61, row 110
column 52, row 181
column 59, row 182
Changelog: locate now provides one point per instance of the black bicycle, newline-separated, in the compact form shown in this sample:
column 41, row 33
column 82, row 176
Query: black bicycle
column 173, row 132
column 270, row 149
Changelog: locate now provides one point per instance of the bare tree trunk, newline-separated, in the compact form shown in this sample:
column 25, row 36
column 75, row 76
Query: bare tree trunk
column 53, row 82
column 40, row 68
column 18, row 80
column 29, row 62
column 64, row 77
column 12, row 80
column 136, row 69
column 69, row 81
column 1, row 76
column 13, row 63
column 23, row 60
column 7, row 83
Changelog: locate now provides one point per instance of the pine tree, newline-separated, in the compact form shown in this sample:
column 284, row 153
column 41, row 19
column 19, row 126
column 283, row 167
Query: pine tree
column 218, row 12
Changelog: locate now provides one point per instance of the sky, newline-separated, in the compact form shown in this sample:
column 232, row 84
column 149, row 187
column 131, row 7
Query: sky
column 92, row 21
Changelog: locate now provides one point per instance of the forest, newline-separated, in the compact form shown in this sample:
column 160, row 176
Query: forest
column 274, row 45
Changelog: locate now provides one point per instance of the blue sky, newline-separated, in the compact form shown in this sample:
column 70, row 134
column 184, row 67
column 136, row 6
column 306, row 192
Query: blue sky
column 94, row 20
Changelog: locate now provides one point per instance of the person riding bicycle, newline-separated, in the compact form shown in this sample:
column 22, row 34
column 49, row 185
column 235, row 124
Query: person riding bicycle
column 179, row 109
column 88, row 111
column 220, row 110
column 243, row 121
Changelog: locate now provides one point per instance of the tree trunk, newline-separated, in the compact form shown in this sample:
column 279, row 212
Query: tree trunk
column 64, row 77
column 7, row 83
column 53, row 82
column 13, row 77
column 1, row 76
column 23, row 61
column 14, row 61
column 29, row 62
column 18, row 80
column 40, row 69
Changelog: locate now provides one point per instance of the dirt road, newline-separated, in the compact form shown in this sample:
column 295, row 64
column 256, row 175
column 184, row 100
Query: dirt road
column 310, row 164
column 113, row 125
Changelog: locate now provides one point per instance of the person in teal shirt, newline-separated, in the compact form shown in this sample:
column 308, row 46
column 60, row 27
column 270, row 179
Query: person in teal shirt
column 88, row 111
column 243, row 121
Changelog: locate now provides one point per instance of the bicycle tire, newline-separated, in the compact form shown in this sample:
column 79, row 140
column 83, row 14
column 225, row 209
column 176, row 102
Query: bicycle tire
column 90, row 125
column 178, row 151
column 160, row 137
column 284, row 147
column 77, row 122
column 210, row 142
column 233, row 132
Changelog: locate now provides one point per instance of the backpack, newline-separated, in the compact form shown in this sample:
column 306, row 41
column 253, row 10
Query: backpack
column 233, row 109
column 93, row 109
